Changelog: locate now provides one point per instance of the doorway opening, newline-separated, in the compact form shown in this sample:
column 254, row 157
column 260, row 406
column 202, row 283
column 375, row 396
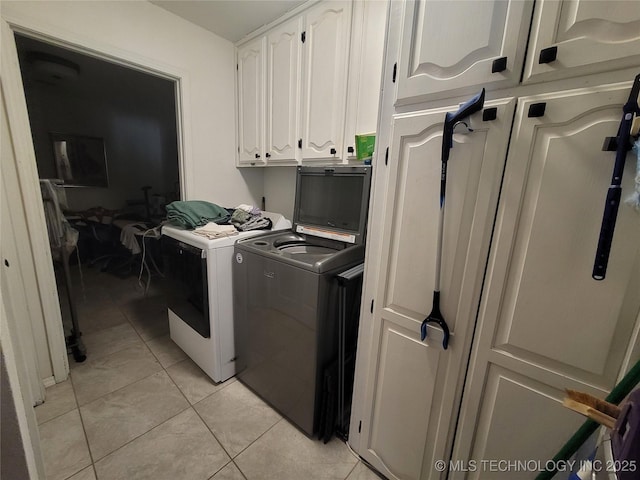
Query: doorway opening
column 122, row 122
column 106, row 136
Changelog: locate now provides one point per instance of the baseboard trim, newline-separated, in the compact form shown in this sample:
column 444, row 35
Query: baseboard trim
column 49, row 381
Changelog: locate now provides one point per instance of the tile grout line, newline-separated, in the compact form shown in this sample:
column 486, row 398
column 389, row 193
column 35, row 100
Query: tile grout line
column 158, row 358
column 231, row 457
column 127, row 321
column 84, row 431
column 241, row 472
column 144, row 433
column 262, row 434
column 63, row 413
column 352, row 470
column 78, row 406
column 141, row 435
column 229, row 463
column 193, row 406
column 278, row 421
column 119, row 388
column 117, row 351
column 189, row 405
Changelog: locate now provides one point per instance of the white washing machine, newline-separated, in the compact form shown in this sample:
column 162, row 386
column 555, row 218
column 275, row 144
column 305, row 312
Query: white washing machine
column 201, row 303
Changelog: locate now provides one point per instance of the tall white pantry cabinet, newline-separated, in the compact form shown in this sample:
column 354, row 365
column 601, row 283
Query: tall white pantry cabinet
column 525, row 197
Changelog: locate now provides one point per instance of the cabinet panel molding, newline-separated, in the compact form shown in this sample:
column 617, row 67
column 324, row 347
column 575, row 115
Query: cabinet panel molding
column 514, row 418
column 590, row 36
column 449, row 47
column 396, row 444
column 283, row 92
column 325, row 79
column 542, row 316
column 549, row 305
column 405, row 289
column 251, row 61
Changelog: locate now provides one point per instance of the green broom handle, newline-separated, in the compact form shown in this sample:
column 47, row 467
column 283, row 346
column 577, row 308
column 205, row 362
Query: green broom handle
column 619, row 392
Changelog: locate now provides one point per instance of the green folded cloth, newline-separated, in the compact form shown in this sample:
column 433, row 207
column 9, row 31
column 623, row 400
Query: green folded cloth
column 240, row 216
column 196, row 213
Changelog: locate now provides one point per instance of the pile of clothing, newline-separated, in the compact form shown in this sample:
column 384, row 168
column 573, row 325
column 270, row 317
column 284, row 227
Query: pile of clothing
column 196, row 213
column 247, row 217
column 61, row 234
column 212, row 230
column 212, row 221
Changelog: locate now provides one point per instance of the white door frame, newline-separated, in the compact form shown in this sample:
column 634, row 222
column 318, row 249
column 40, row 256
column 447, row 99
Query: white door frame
column 20, row 132
column 25, row 156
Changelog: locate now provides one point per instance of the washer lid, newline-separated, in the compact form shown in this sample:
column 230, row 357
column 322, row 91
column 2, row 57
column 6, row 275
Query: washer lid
column 332, row 202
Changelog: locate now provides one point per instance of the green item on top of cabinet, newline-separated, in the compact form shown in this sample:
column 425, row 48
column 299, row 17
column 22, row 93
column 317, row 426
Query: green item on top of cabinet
column 365, row 144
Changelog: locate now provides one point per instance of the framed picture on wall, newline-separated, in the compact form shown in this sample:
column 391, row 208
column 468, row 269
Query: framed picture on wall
column 80, row 161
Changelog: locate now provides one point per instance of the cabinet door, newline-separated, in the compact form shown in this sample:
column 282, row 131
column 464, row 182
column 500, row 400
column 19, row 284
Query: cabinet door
column 251, row 102
column 283, row 92
column 365, row 71
column 588, row 36
column 544, row 324
column 325, row 79
column 413, row 387
column 451, row 47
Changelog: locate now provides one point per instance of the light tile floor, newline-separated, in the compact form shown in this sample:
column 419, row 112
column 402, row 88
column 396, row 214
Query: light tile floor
column 139, row 408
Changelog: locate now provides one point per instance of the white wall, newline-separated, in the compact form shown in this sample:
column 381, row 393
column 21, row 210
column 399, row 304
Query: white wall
column 280, row 190
column 144, row 33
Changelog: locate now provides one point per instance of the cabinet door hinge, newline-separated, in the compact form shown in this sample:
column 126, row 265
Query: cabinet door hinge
column 300, row 143
column 360, row 426
column 303, row 36
column 237, row 68
column 386, row 156
column 371, row 306
column 395, row 71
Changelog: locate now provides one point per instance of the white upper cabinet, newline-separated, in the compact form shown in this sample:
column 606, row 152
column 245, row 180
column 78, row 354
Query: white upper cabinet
column 365, row 71
column 293, row 105
column 571, row 38
column 449, row 48
column 325, row 79
column 283, row 92
column 251, row 103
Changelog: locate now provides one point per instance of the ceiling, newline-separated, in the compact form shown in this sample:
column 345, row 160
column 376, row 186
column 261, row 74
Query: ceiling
column 45, row 65
column 230, row 19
